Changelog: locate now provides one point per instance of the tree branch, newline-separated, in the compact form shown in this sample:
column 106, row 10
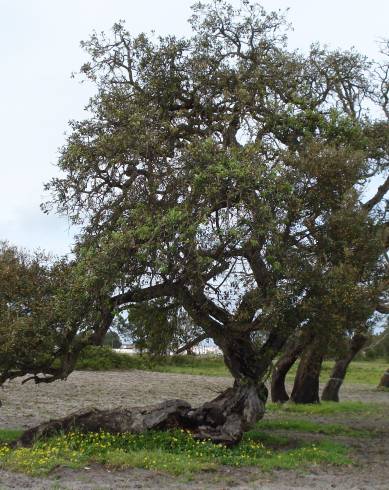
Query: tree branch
column 379, row 195
column 192, row 343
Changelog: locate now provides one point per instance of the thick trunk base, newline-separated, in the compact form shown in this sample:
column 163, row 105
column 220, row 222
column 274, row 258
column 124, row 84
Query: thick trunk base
column 331, row 390
column 384, row 382
column 278, row 390
column 222, row 420
column 306, row 391
column 281, row 369
column 306, row 383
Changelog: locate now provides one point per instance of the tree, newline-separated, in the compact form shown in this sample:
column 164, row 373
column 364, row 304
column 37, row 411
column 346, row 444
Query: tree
column 221, row 174
column 112, row 339
column 28, row 337
column 379, row 347
column 384, row 381
column 292, row 351
column 357, row 331
column 338, row 373
column 159, row 329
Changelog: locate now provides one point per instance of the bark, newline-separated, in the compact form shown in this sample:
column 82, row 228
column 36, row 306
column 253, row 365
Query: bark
column 384, row 382
column 165, row 415
column 222, row 420
column 331, row 389
column 281, row 369
column 306, row 383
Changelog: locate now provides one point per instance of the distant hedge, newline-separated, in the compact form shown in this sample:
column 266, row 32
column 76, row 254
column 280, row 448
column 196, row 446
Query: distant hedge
column 104, row 358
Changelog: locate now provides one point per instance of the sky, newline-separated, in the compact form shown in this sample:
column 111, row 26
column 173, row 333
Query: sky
column 40, row 48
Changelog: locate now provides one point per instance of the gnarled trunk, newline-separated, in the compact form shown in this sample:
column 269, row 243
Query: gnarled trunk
column 338, row 373
column 234, row 411
column 278, row 390
column 281, row 369
column 384, row 381
column 222, row 420
column 306, row 383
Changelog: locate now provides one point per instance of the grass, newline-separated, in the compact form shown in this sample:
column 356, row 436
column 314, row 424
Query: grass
column 104, row 358
column 8, row 435
column 365, row 372
column 278, row 442
column 314, row 428
column 273, row 443
column 175, row 452
column 325, row 408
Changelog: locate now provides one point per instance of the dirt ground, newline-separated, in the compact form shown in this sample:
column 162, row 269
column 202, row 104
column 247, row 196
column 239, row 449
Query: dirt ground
column 28, row 404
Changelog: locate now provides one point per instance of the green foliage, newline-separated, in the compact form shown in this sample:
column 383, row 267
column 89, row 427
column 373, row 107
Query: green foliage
column 105, row 359
column 112, row 340
column 220, row 155
column 158, row 327
column 28, row 337
column 220, row 176
column 378, row 347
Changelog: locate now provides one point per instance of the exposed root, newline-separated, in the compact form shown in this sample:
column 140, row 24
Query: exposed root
column 222, row 420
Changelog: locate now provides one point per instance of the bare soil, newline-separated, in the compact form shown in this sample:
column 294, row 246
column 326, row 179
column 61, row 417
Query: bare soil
column 28, row 404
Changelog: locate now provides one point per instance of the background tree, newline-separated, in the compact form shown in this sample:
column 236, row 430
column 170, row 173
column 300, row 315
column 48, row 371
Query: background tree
column 160, row 329
column 338, row 373
column 293, row 349
column 112, row 339
column 28, row 335
column 357, row 332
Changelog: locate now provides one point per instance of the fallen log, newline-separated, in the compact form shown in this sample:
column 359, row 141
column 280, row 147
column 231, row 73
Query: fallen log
column 222, row 420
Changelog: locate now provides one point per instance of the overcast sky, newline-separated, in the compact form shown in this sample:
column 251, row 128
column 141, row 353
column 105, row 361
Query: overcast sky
column 39, row 48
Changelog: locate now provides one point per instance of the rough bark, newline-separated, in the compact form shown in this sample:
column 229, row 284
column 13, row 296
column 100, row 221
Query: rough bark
column 222, row 420
column 384, row 381
column 165, row 415
column 281, row 369
column 338, row 373
column 306, row 383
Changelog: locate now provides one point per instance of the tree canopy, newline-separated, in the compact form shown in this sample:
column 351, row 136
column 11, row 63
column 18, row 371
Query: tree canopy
column 224, row 174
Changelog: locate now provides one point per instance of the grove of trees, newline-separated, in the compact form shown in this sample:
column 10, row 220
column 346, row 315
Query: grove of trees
column 226, row 179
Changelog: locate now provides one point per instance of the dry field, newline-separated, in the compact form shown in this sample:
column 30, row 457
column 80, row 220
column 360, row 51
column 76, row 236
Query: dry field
column 28, row 404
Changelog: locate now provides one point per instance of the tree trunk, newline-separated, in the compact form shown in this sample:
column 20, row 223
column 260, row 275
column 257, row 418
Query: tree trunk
column 222, row 420
column 331, row 389
column 281, row 369
column 384, row 382
column 306, row 383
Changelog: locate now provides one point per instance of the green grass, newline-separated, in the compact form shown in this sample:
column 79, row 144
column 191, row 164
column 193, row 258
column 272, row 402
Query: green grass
column 175, row 452
column 313, row 427
column 104, row 358
column 8, row 435
column 325, row 408
column 366, row 372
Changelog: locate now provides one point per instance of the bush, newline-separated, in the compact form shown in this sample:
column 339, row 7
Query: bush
column 104, row 359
